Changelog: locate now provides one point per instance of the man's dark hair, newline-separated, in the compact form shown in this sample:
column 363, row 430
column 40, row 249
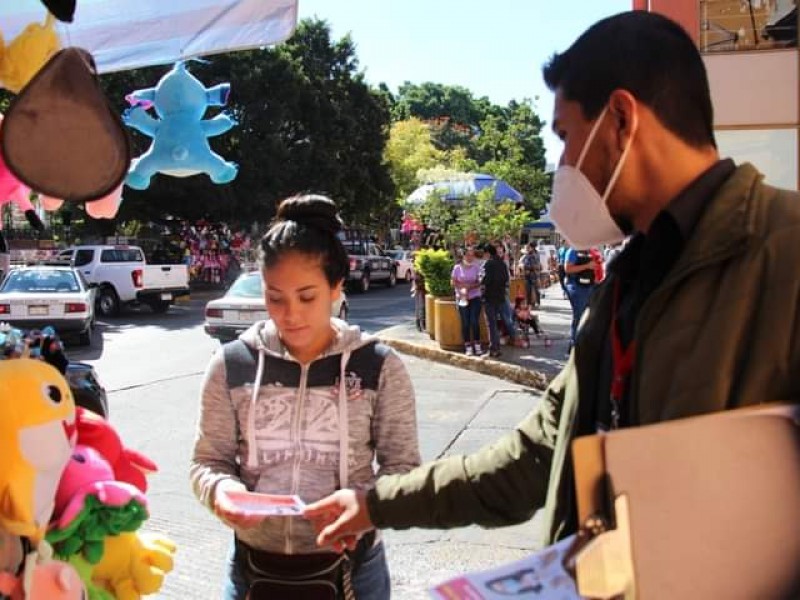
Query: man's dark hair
column 648, row 55
column 490, row 249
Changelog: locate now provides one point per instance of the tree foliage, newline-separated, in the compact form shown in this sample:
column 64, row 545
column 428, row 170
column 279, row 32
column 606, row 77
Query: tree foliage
column 476, row 135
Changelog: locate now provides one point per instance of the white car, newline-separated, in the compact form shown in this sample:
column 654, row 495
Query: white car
column 243, row 304
column 37, row 296
column 404, row 259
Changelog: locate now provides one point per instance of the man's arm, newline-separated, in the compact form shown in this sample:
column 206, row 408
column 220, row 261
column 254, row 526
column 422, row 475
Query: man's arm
column 501, row 484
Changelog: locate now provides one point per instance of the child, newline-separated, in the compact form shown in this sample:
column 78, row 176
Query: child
column 418, row 293
column 526, row 317
column 301, row 404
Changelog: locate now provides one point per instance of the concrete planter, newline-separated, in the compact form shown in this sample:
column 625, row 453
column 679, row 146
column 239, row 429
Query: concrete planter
column 430, row 316
column 516, row 288
column 448, row 326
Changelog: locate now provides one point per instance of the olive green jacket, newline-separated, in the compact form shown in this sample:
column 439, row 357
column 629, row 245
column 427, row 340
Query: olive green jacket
column 720, row 331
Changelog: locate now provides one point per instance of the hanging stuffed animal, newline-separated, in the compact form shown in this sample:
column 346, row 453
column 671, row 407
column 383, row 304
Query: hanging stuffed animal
column 27, row 54
column 106, row 207
column 129, row 466
column 180, row 135
column 37, row 433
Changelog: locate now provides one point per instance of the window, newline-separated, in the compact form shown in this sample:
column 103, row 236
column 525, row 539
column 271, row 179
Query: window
column 248, row 286
column 121, row 255
column 83, row 257
column 42, row 281
column 746, row 25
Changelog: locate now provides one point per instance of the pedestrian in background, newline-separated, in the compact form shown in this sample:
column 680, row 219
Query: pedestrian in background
column 579, row 267
column 494, row 283
column 301, row 404
column 418, row 293
column 530, row 265
column 465, row 278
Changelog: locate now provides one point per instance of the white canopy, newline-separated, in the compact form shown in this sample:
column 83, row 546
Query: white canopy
column 126, row 34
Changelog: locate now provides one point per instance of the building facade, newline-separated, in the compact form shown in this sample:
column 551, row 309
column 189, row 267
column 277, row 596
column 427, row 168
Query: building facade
column 751, row 53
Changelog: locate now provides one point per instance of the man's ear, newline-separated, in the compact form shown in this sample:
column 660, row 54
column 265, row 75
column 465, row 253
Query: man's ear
column 624, row 111
column 336, row 290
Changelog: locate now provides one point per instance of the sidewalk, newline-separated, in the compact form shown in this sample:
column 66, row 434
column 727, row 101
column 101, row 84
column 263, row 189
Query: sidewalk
column 534, row 366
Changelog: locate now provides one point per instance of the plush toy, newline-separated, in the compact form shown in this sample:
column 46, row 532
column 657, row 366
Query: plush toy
column 102, row 208
column 180, row 135
column 129, row 466
column 27, row 53
column 42, row 578
column 37, row 433
column 134, row 564
column 91, row 505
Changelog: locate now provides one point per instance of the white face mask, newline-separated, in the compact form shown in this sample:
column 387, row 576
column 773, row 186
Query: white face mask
column 577, row 209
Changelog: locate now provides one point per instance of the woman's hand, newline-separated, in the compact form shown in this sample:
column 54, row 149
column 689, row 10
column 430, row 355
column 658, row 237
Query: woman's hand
column 227, row 510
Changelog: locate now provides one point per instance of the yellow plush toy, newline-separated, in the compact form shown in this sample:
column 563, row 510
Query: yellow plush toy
column 37, row 434
column 27, row 53
column 134, row 564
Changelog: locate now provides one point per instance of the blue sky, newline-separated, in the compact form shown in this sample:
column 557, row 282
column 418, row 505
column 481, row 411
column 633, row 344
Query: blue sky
column 494, row 49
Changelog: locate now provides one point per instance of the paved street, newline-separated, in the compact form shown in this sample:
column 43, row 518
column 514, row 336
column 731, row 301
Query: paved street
column 152, row 366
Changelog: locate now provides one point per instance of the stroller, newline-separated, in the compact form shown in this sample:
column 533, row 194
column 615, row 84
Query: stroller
column 527, row 320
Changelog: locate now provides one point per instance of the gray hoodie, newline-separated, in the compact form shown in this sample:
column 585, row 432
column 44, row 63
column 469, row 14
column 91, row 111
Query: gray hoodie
column 283, row 435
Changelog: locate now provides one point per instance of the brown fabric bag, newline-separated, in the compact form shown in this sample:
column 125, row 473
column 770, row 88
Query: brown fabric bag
column 61, row 137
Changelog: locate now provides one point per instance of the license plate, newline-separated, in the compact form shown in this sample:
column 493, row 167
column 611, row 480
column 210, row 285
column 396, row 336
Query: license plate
column 38, row 311
column 166, row 296
column 247, row 315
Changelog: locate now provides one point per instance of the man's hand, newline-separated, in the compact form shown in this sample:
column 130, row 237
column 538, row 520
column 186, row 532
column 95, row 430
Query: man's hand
column 227, row 510
column 340, row 518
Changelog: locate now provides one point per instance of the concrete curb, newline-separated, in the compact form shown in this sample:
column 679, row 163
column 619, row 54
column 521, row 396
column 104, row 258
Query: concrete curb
column 485, row 365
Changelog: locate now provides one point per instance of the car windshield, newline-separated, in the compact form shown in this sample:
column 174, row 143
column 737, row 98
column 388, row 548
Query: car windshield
column 248, row 286
column 41, row 280
column 397, row 254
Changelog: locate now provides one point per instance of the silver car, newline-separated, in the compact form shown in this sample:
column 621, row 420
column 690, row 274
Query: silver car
column 243, row 304
column 37, row 296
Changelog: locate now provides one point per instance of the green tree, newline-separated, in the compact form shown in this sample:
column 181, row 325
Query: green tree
column 408, row 151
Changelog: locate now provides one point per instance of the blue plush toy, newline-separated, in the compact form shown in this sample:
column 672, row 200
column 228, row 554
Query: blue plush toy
column 180, row 135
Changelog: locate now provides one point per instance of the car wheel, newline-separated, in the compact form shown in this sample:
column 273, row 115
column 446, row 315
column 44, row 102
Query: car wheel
column 392, row 278
column 343, row 311
column 409, row 276
column 364, row 287
column 159, row 306
column 108, row 302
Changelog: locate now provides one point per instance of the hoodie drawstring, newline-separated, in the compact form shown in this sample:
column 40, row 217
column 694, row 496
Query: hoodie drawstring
column 252, row 458
column 344, row 422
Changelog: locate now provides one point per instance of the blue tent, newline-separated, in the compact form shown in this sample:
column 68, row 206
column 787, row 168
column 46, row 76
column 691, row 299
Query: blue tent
column 453, row 190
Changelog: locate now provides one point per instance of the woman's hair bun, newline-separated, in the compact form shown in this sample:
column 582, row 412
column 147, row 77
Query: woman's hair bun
column 311, row 210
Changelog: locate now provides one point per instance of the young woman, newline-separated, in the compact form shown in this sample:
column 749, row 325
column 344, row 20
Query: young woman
column 465, row 278
column 301, row 404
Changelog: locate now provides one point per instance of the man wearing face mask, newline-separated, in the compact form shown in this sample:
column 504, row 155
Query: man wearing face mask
column 699, row 313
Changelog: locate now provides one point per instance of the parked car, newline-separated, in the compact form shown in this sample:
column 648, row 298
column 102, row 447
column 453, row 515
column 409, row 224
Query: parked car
column 37, row 296
column 404, row 261
column 123, row 277
column 243, row 304
column 368, row 264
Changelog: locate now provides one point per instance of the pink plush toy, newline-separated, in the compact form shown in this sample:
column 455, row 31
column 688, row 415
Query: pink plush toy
column 49, row 580
column 102, row 208
column 89, row 474
column 129, row 466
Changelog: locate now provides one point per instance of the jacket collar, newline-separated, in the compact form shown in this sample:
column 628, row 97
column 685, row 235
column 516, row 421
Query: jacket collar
column 728, row 221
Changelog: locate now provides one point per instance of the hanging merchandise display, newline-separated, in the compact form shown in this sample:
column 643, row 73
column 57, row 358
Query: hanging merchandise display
column 180, row 135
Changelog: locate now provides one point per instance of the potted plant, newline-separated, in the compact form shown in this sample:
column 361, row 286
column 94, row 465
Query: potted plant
column 435, row 266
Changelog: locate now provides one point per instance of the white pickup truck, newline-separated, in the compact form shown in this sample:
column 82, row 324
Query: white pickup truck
column 123, row 277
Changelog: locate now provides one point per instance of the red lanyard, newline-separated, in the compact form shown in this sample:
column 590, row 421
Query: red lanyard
column 622, row 362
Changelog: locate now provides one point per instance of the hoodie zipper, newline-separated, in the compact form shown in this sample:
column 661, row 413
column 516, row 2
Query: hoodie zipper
column 297, row 444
